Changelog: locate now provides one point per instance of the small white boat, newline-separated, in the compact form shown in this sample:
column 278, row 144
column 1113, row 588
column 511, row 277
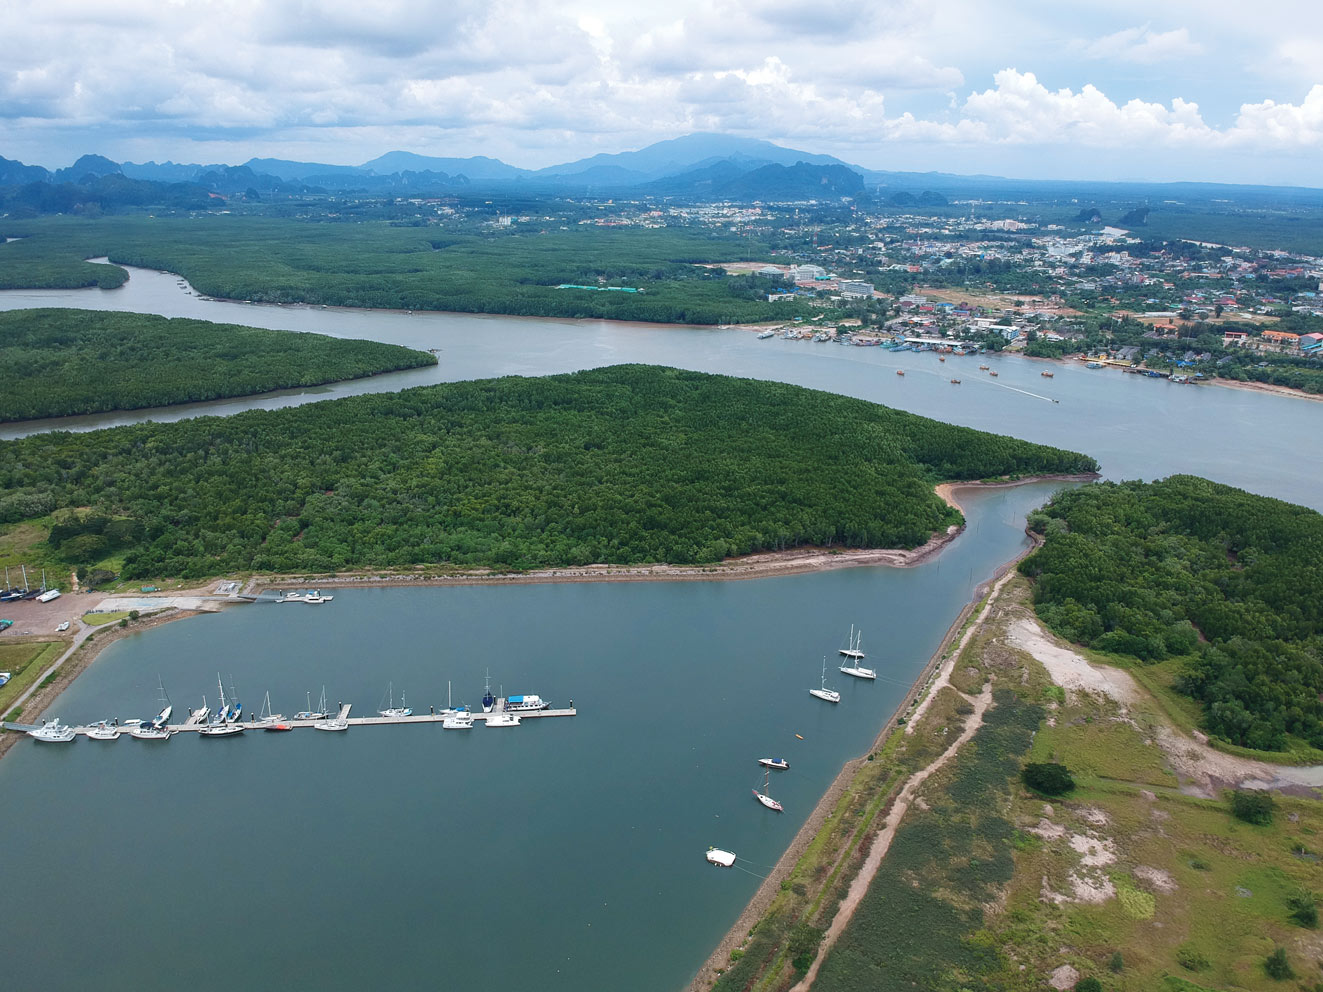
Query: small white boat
column 525, row 703
column 53, row 732
column 459, row 720
column 5, row 677
column 722, row 858
column 146, row 732
column 103, row 730
column 201, row 713
column 221, row 730
column 830, row 695
column 502, row 719
column 765, row 335
column 319, row 713
column 778, row 763
column 855, row 656
column 331, row 725
column 314, row 596
column 62, row 627
column 391, row 709
column 265, row 718
column 163, row 718
column 852, row 650
column 764, row 797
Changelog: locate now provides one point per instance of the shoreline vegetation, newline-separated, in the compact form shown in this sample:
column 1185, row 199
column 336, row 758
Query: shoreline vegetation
column 66, row 362
column 625, row 465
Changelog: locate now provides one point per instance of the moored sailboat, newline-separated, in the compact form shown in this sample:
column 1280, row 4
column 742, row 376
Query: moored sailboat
column 830, row 695
column 765, row 797
column 855, row 655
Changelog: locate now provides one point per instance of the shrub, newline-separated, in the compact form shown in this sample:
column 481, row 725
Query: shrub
column 1277, row 966
column 1089, row 984
column 1117, row 964
column 1304, row 909
column 1047, row 777
column 1252, row 806
column 1190, row 959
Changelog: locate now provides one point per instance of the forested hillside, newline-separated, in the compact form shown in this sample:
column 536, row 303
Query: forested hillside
column 623, row 464
column 373, row 264
column 1189, row 567
column 61, row 362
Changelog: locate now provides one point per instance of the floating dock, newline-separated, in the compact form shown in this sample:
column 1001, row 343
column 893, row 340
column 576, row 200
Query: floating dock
column 192, row 724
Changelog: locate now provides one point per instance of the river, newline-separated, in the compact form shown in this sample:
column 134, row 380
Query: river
column 565, row 854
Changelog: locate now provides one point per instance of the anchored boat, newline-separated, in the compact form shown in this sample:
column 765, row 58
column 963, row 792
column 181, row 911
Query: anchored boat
column 778, row 763
column 830, row 695
column 52, row 732
column 764, row 797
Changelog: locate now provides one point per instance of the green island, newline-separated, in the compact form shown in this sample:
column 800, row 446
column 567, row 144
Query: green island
column 621, row 465
column 1049, row 822
column 376, row 264
column 1217, row 586
column 62, row 362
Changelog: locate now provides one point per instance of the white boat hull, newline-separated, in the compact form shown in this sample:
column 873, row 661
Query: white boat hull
column 724, row 859
column 858, row 672
column 330, row 725
column 768, row 801
column 830, row 695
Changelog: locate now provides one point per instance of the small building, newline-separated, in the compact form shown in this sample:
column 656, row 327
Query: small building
column 1234, row 339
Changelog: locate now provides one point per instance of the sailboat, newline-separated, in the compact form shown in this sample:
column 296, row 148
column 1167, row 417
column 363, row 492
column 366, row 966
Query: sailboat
column 455, row 719
column 830, row 695
column 764, row 797
column 271, row 722
column 488, row 700
column 224, row 723
column 163, row 718
column 392, row 710
column 319, row 713
column 854, row 656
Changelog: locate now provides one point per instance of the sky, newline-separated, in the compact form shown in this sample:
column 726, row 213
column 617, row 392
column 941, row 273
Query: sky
column 1170, row 90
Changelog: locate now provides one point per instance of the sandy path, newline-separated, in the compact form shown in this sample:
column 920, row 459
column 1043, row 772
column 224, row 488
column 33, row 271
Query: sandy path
column 883, row 840
column 1191, row 757
column 948, row 666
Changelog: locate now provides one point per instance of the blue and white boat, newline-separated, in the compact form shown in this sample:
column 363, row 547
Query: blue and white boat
column 525, row 703
column 488, row 700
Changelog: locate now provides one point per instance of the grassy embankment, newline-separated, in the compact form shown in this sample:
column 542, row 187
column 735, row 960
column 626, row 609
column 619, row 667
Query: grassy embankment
column 986, row 885
column 374, row 264
column 26, row 660
column 62, row 362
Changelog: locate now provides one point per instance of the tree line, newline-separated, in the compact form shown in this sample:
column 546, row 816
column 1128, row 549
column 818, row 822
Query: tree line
column 622, row 465
column 61, row 362
column 1185, row 567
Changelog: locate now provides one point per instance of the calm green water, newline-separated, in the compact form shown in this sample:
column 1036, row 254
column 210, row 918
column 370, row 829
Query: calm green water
column 565, row 854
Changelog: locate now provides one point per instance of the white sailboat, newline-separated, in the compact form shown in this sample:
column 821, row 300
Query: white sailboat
column 271, row 721
column 391, row 709
column 225, row 722
column 163, row 717
column 455, row 719
column 319, row 713
column 854, row 656
column 765, row 797
column 332, row 726
column 830, row 695
column 500, row 718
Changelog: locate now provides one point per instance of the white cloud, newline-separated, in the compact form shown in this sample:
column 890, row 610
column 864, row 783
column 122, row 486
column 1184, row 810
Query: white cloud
column 1145, row 46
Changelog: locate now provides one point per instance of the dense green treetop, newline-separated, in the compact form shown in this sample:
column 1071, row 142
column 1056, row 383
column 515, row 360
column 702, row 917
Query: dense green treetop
column 61, row 362
column 1187, row 567
column 371, row 264
column 623, row 464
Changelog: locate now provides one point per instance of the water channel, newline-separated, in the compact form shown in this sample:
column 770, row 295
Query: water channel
column 565, row 854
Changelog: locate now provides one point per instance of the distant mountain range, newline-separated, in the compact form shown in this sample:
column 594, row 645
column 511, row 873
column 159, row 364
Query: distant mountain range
column 694, row 167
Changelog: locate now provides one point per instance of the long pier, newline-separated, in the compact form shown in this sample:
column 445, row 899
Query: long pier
column 340, row 719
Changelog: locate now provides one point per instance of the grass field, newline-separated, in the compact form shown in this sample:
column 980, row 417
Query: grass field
column 26, row 660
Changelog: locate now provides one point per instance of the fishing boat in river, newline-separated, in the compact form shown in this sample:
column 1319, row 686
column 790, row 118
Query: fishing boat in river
column 53, row 732
column 1046, row 375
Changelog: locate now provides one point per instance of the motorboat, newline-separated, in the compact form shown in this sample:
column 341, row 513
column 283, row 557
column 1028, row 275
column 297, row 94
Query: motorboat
column 62, row 627
column 778, row 763
column 830, row 695
column 723, row 859
column 221, row 730
column 460, row 720
column 525, row 703
column 146, row 732
column 53, row 732
column 502, row 719
column 5, row 677
column 103, row 730
column 314, row 596
column 900, row 371
column 331, row 725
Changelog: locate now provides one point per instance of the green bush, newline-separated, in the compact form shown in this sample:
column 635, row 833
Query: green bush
column 1277, row 966
column 1117, row 964
column 1252, row 806
column 1191, row 959
column 1089, row 984
column 1048, row 778
column 1303, row 908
